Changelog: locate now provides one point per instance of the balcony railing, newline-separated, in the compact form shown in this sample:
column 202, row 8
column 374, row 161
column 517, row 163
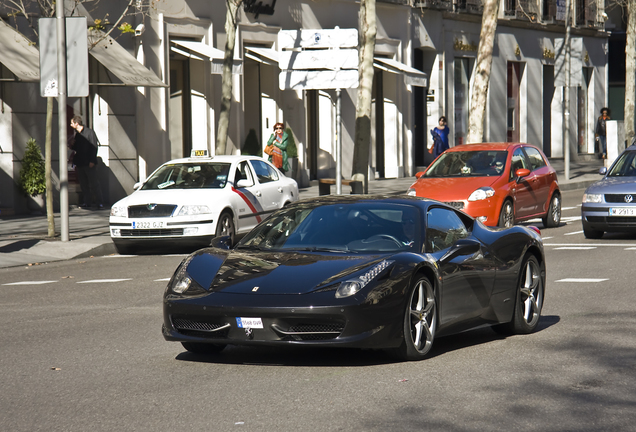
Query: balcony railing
column 522, row 9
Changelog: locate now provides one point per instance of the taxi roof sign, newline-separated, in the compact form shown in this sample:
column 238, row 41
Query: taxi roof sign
column 199, row 153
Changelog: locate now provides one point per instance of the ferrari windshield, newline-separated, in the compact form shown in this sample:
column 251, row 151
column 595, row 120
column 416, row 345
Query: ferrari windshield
column 625, row 166
column 189, row 176
column 478, row 163
column 354, row 227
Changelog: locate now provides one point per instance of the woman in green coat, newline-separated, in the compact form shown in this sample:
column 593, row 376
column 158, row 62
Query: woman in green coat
column 279, row 140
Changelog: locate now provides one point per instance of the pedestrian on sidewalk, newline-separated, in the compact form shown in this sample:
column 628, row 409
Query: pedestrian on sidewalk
column 440, row 138
column 601, row 132
column 85, row 144
column 277, row 147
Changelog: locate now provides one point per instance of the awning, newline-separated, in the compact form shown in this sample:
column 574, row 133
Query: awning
column 197, row 48
column 199, row 51
column 121, row 63
column 263, row 55
column 19, row 55
column 412, row 76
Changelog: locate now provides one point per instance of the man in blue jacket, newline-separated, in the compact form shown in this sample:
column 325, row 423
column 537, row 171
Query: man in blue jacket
column 85, row 160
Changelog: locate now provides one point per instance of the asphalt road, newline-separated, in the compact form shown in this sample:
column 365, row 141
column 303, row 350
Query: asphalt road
column 81, row 349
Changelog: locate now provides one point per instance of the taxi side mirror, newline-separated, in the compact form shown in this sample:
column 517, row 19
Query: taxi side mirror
column 244, row 183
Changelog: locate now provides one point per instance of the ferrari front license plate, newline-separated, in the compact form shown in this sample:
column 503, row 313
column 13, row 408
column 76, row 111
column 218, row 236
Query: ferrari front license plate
column 249, row 322
column 622, row 211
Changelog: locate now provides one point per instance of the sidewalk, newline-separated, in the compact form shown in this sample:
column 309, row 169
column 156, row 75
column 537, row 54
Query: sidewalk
column 24, row 241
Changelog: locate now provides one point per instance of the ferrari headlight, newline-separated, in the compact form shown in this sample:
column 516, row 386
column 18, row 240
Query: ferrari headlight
column 119, row 211
column 352, row 286
column 482, row 194
column 192, row 210
column 592, row 198
column 181, row 283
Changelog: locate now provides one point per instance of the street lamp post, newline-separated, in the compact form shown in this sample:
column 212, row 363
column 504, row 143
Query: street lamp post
column 61, row 110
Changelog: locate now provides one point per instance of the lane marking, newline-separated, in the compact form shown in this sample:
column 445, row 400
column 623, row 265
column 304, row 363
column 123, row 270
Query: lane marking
column 571, row 218
column 575, row 248
column 591, row 244
column 547, row 238
column 103, row 281
column 162, row 280
column 581, row 280
column 568, row 208
column 572, row 233
column 30, row 283
column 630, row 248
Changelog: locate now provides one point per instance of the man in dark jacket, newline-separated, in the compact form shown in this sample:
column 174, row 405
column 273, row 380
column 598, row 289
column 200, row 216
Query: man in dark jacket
column 85, row 160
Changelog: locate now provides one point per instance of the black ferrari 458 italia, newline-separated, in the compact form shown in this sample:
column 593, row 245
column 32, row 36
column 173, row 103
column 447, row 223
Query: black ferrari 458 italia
column 357, row 271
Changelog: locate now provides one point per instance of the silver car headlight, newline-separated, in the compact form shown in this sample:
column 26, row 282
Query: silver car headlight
column 481, row 194
column 352, row 286
column 192, row 210
column 119, row 211
column 592, row 198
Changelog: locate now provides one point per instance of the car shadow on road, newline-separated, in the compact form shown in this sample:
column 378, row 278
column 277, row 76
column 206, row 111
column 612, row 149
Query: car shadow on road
column 347, row 357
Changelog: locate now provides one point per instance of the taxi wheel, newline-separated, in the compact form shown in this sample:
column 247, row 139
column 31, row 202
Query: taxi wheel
column 225, row 226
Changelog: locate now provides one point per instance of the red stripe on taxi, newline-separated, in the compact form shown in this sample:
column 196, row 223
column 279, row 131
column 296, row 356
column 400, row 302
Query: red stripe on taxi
column 249, row 203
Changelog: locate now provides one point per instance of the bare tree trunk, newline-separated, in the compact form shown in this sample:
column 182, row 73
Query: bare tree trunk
column 47, row 167
column 226, row 88
column 482, row 72
column 630, row 71
column 367, row 33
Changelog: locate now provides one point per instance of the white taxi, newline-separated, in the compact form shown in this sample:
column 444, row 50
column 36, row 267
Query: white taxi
column 190, row 201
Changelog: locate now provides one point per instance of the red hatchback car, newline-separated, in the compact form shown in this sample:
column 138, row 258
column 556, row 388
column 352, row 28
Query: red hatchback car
column 497, row 183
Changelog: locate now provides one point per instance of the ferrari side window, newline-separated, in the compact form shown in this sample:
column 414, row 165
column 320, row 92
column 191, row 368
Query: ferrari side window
column 443, row 229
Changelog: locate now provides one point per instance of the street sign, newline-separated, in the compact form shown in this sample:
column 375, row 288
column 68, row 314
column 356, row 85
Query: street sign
column 320, row 38
column 318, row 80
column 76, row 57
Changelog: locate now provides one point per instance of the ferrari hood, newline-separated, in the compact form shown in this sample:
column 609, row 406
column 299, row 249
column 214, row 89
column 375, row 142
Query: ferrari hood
column 450, row 188
column 266, row 273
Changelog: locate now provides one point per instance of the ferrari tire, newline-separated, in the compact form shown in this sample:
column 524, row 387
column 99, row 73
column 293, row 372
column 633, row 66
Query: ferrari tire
column 506, row 215
column 553, row 217
column 592, row 233
column 420, row 321
column 203, row 348
column 225, row 226
column 529, row 300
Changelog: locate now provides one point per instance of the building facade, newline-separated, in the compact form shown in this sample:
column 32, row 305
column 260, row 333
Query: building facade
column 424, row 66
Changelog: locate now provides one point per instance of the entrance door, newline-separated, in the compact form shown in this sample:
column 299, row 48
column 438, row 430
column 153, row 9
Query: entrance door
column 462, row 83
column 268, row 118
column 514, row 79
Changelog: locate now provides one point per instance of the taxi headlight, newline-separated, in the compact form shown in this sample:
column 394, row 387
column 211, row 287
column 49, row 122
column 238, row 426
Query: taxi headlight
column 119, row 211
column 592, row 198
column 481, row 194
column 191, row 210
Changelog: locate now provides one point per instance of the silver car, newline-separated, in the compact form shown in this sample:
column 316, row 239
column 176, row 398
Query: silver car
column 610, row 204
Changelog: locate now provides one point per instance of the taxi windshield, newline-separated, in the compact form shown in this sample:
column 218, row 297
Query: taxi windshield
column 478, row 163
column 189, row 176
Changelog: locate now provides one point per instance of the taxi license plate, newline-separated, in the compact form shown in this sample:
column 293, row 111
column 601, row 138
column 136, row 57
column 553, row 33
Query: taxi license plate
column 622, row 211
column 147, row 225
column 249, row 322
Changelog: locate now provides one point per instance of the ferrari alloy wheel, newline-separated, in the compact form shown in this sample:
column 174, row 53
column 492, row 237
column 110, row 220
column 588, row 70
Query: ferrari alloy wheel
column 553, row 217
column 529, row 298
column 420, row 322
column 225, row 226
column 202, row 348
column 507, row 215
